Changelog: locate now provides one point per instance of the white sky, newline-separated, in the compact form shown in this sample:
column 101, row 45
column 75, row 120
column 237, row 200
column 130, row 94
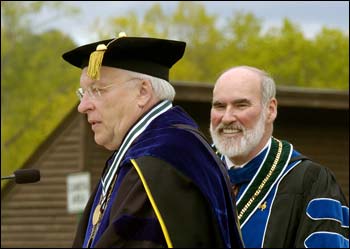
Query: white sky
column 309, row 15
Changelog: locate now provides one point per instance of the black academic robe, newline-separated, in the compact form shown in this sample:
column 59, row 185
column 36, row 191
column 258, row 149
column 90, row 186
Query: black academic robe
column 302, row 206
column 309, row 210
column 170, row 191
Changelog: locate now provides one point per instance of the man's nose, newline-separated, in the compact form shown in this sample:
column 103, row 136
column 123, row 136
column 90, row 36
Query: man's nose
column 229, row 116
column 85, row 104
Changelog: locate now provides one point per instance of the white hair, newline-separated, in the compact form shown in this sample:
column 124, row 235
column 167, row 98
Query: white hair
column 162, row 88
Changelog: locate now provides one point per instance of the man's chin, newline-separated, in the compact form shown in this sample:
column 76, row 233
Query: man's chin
column 99, row 140
column 230, row 140
column 232, row 149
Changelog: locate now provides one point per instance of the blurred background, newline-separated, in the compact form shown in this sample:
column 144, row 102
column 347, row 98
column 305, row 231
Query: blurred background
column 304, row 45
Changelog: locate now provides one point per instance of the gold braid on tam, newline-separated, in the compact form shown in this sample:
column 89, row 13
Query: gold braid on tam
column 96, row 57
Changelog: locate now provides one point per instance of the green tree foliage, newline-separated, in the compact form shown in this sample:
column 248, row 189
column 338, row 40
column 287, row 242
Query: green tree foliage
column 329, row 59
column 288, row 47
column 243, row 42
column 37, row 86
column 190, row 22
column 290, row 57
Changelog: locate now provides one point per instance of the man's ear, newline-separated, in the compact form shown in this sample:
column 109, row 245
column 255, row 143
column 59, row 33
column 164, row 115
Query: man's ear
column 272, row 110
column 145, row 93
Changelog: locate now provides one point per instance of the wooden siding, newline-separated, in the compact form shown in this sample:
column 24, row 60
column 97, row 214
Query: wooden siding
column 320, row 134
column 35, row 215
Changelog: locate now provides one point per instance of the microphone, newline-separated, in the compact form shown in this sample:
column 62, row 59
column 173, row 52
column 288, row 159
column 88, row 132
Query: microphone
column 24, row 176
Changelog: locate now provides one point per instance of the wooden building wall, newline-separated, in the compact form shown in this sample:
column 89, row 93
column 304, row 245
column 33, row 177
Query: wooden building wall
column 35, row 215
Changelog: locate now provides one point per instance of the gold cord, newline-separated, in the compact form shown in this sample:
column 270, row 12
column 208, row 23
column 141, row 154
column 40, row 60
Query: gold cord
column 257, row 192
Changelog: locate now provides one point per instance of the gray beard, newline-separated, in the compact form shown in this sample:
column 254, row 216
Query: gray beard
column 232, row 147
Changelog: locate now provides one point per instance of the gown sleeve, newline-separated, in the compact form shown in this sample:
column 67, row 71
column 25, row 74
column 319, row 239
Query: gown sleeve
column 324, row 221
column 310, row 210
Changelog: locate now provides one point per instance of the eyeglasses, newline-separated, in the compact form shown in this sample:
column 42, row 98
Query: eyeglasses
column 95, row 92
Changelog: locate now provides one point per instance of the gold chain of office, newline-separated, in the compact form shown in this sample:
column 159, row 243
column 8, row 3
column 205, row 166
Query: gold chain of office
column 97, row 215
column 257, row 192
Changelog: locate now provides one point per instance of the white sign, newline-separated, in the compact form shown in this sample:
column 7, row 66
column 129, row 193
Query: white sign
column 78, row 191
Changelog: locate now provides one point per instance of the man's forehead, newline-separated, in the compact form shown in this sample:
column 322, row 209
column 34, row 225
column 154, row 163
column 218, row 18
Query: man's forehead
column 107, row 72
column 231, row 91
column 243, row 75
column 239, row 87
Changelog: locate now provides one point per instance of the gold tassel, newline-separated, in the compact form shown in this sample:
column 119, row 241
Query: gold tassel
column 95, row 62
column 96, row 57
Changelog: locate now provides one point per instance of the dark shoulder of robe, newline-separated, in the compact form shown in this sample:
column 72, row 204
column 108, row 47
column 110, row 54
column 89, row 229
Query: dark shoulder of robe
column 310, row 210
column 188, row 188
